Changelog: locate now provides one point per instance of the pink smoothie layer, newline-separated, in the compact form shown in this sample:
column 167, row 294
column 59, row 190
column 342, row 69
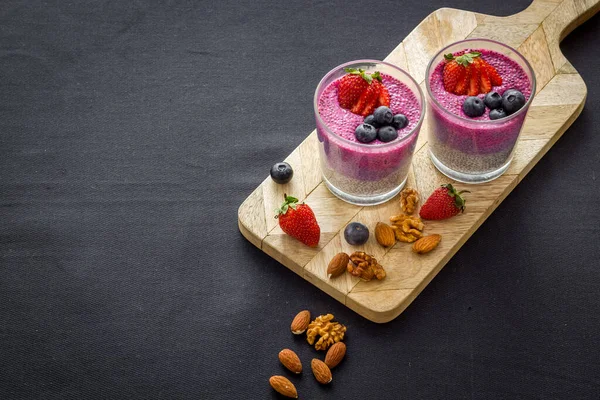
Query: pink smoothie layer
column 467, row 135
column 375, row 160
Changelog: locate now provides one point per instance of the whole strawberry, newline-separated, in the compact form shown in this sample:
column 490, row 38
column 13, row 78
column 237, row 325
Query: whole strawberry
column 444, row 202
column 298, row 221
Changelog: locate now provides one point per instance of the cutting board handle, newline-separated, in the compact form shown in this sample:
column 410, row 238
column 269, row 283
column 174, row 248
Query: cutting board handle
column 564, row 17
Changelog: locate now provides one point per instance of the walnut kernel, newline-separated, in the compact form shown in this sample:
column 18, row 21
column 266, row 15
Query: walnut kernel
column 365, row 266
column 407, row 228
column 330, row 332
column 409, row 200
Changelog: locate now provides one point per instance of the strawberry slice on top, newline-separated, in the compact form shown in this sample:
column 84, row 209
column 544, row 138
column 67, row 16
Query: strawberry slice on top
column 469, row 74
column 362, row 92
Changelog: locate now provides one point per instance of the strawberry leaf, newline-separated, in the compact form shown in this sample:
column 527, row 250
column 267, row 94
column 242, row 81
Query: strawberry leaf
column 367, row 77
column 449, row 56
column 459, row 202
column 290, row 201
column 467, row 58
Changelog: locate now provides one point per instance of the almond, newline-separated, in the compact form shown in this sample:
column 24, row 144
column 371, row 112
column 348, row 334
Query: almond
column 335, row 354
column 426, row 244
column 321, row 371
column 290, row 360
column 338, row 264
column 283, row 386
column 300, row 322
column 384, row 234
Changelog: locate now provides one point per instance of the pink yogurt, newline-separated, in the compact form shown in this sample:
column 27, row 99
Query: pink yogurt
column 345, row 155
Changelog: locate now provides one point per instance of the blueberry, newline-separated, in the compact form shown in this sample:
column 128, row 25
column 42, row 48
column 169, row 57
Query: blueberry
column 365, row 133
column 387, row 133
column 473, row 107
column 399, row 121
column 497, row 113
column 282, row 172
column 512, row 101
column 356, row 233
column 493, row 100
column 370, row 119
column 383, row 115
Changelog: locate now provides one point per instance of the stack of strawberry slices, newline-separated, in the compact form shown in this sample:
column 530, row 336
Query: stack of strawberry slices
column 467, row 73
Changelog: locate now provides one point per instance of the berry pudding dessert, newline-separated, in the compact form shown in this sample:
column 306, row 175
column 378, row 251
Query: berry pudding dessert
column 479, row 92
column 368, row 116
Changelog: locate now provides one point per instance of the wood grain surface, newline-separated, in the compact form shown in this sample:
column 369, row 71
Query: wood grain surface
column 536, row 32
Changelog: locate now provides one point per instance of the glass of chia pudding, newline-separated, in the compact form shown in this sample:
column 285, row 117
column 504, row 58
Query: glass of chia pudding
column 372, row 171
column 478, row 147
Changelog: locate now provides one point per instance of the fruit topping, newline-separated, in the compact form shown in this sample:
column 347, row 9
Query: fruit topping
column 383, row 116
column 382, row 125
column 512, row 101
column 365, row 133
column 387, row 133
column 282, row 172
column 469, row 74
column 399, row 121
column 361, row 92
column 444, row 202
column 299, row 221
column 493, row 100
column 473, row 107
column 356, row 233
column 497, row 113
column 370, row 119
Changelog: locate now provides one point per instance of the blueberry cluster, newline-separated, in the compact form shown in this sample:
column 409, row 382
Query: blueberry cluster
column 382, row 125
column 500, row 106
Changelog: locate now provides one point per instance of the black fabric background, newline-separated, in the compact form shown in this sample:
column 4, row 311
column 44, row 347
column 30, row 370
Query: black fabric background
column 131, row 131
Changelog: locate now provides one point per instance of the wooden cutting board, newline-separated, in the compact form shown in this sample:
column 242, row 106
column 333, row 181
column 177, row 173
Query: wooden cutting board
column 536, row 32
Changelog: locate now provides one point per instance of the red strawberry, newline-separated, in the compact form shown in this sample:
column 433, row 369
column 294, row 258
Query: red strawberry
column 495, row 77
column 463, row 82
column 361, row 92
column 444, row 202
column 384, row 95
column 469, row 74
column 350, row 88
column 451, row 75
column 474, row 75
column 298, row 221
column 485, row 85
column 367, row 102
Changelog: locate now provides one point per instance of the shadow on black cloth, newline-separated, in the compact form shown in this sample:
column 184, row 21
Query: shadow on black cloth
column 130, row 132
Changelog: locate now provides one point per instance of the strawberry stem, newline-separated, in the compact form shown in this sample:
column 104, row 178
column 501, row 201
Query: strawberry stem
column 465, row 59
column 458, row 200
column 365, row 75
column 289, row 201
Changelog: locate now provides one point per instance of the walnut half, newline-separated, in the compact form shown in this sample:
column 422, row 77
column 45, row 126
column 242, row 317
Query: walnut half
column 407, row 228
column 409, row 200
column 365, row 266
column 330, row 332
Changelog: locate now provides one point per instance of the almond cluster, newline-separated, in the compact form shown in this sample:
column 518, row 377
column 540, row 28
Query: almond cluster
column 320, row 369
